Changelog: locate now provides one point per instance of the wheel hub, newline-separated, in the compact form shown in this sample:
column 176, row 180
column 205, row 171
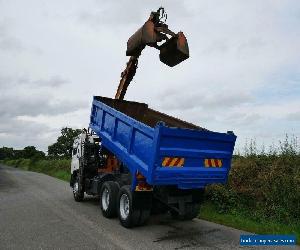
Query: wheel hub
column 105, row 199
column 124, row 206
column 75, row 187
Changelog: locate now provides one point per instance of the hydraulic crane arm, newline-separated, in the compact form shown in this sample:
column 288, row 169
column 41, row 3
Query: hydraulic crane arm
column 172, row 52
column 126, row 77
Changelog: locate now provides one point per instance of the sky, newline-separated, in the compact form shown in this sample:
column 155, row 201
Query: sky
column 243, row 73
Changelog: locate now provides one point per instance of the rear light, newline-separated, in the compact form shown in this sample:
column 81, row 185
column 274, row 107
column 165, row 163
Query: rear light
column 173, row 162
column 142, row 185
column 215, row 163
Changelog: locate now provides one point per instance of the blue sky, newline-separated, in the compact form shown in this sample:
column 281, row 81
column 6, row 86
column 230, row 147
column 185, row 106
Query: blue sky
column 243, row 74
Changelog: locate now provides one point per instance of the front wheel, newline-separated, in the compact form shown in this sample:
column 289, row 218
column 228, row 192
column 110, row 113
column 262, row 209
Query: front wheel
column 77, row 190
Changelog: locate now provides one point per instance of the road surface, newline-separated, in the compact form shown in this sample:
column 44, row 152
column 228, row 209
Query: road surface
column 38, row 212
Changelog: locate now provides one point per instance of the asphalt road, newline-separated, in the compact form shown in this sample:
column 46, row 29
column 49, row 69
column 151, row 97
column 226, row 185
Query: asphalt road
column 38, row 212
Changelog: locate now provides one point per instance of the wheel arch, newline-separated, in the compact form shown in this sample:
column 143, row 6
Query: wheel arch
column 73, row 177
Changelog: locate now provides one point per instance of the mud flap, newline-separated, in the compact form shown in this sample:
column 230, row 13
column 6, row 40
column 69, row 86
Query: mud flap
column 142, row 200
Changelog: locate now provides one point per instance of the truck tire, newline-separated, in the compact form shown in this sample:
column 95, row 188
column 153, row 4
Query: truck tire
column 191, row 212
column 108, row 199
column 128, row 216
column 158, row 208
column 144, row 216
column 78, row 195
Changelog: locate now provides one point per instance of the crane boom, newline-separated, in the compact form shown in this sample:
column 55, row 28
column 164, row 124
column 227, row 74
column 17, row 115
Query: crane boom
column 126, row 77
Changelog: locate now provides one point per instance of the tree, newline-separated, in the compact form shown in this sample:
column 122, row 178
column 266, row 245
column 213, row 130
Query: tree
column 63, row 145
column 28, row 152
column 31, row 152
column 6, row 153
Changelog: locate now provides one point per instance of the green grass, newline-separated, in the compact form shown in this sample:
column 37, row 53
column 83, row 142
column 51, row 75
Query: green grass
column 62, row 174
column 57, row 168
column 241, row 221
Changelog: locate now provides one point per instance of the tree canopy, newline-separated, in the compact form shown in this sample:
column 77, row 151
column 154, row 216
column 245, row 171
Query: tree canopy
column 27, row 153
column 63, row 145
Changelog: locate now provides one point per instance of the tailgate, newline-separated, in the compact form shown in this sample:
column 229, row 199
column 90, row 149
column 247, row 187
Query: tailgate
column 192, row 158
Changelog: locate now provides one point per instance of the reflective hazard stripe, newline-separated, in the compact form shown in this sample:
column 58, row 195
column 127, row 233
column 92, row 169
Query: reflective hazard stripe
column 215, row 163
column 173, row 162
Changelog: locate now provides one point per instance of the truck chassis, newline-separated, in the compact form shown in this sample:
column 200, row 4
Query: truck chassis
column 96, row 171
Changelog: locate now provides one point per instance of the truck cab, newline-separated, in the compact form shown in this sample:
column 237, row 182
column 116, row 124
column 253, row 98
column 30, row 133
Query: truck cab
column 78, row 148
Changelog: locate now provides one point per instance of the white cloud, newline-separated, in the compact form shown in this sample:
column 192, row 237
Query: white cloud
column 243, row 73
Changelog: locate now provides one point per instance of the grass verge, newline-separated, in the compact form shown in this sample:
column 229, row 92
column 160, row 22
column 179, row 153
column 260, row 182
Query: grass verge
column 241, row 221
column 57, row 168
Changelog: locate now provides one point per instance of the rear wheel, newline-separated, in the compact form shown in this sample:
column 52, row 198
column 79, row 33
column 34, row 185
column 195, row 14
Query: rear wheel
column 108, row 199
column 158, row 207
column 191, row 212
column 77, row 190
column 129, row 215
column 144, row 216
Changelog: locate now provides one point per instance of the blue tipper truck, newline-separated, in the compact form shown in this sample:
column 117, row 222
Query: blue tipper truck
column 140, row 161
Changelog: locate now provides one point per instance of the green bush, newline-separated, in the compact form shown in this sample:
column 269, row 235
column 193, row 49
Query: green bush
column 224, row 198
column 263, row 185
